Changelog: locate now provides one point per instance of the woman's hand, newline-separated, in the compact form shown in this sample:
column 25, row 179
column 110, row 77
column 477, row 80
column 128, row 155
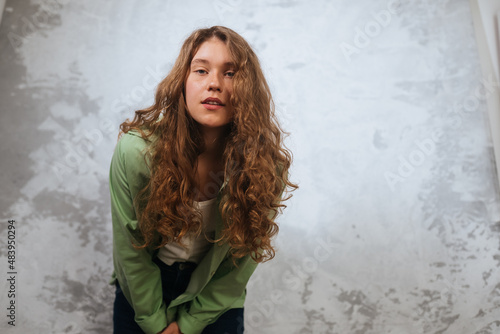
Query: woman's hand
column 173, row 328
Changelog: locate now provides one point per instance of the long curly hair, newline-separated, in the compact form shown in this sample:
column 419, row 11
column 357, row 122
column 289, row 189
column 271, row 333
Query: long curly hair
column 256, row 161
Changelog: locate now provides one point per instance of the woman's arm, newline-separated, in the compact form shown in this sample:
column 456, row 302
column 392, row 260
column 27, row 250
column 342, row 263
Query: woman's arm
column 138, row 275
column 224, row 291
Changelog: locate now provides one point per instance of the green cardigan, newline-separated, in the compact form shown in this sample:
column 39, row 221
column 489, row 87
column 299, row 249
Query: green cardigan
column 216, row 285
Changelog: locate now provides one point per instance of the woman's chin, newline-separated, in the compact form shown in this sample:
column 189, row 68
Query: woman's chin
column 213, row 123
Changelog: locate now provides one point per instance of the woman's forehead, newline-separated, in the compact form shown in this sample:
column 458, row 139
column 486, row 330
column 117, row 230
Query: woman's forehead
column 212, row 51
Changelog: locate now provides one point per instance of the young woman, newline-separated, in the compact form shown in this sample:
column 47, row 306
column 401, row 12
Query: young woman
column 196, row 181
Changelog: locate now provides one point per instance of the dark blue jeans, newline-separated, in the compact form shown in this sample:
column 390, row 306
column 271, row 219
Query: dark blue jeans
column 174, row 279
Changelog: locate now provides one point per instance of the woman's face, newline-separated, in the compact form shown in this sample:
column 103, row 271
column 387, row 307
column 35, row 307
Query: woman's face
column 209, row 85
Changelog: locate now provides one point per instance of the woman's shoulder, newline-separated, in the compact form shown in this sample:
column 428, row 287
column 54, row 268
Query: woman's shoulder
column 133, row 148
column 133, row 140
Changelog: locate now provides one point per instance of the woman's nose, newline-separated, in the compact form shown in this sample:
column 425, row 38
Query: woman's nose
column 214, row 83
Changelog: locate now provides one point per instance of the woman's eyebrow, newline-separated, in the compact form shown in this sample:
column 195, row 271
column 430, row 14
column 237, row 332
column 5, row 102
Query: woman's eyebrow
column 199, row 60
column 206, row 62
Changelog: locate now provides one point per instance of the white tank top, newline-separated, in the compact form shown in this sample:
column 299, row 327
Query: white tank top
column 196, row 246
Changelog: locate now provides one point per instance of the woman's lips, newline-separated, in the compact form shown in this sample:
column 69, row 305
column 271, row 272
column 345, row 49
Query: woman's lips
column 212, row 106
column 212, row 103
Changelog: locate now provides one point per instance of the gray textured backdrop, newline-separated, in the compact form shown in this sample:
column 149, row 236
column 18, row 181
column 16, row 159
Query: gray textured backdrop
column 395, row 227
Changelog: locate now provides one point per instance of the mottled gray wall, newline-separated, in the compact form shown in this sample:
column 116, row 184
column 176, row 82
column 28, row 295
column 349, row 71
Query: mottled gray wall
column 395, row 228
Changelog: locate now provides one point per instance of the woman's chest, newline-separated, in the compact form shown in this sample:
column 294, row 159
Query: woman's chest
column 208, row 179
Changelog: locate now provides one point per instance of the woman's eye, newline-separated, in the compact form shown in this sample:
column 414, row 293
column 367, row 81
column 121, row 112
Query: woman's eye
column 201, row 71
column 230, row 74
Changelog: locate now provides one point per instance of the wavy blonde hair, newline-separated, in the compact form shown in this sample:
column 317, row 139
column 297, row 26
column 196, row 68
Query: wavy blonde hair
column 256, row 162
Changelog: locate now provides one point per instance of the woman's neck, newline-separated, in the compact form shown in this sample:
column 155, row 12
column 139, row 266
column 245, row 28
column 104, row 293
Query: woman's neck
column 214, row 141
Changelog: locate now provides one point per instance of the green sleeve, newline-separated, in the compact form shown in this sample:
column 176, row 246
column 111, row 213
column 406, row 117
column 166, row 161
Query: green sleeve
column 138, row 275
column 224, row 291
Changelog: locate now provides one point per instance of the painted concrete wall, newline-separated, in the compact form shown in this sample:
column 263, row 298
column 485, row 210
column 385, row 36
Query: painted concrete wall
column 395, row 227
